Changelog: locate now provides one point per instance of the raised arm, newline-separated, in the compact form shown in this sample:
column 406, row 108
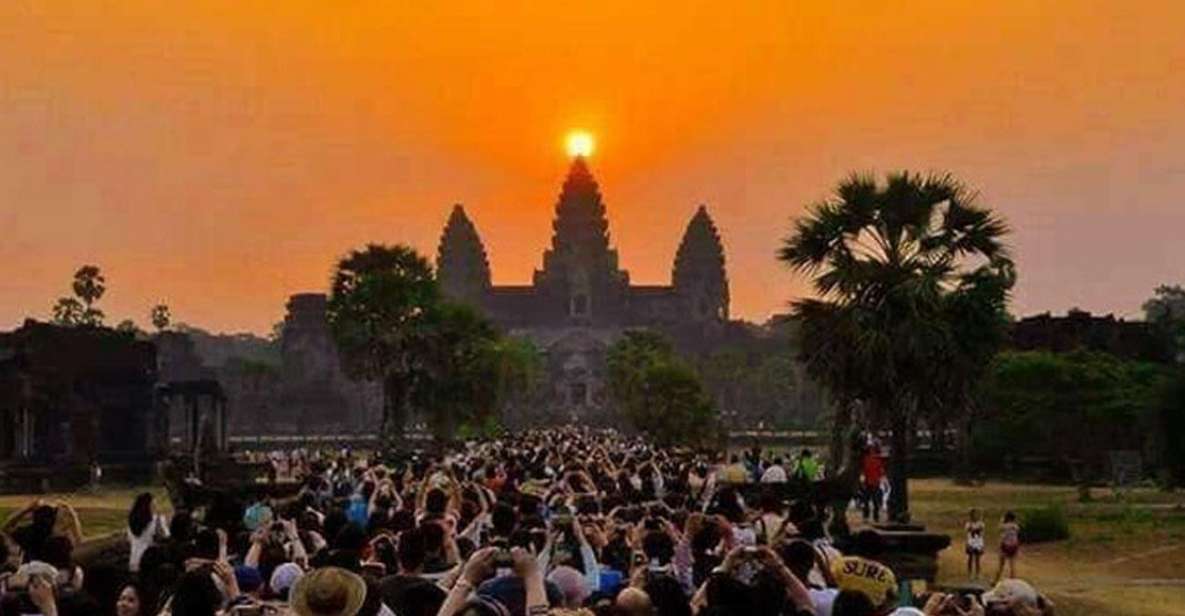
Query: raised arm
column 74, row 530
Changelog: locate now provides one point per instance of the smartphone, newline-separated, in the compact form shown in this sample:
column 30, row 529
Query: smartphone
column 503, row 563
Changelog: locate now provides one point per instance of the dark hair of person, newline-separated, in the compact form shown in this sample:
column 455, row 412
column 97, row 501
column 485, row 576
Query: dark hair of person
column 333, row 523
column 181, row 527
column 504, row 519
column 658, row 546
column 465, row 548
column 44, row 517
column 667, row 596
column 799, row 557
column 852, row 603
column 435, row 502
column 151, row 563
column 196, row 594
column 727, row 591
column 206, row 544
column 140, row 515
column 147, row 599
column 384, row 551
column 411, row 550
column 58, row 551
column 433, row 537
column 1009, row 516
column 867, row 543
column 4, row 552
column 770, row 502
column 350, row 537
column 402, row 520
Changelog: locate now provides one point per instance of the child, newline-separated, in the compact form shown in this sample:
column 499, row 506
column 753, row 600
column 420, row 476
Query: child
column 1009, row 545
column 974, row 530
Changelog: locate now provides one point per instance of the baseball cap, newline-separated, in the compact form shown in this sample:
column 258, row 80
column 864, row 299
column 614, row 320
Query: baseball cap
column 868, row 577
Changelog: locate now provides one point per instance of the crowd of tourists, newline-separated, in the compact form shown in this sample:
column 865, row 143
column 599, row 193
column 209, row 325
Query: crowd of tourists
column 543, row 522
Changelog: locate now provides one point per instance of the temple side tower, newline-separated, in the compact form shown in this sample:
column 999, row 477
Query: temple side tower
column 461, row 263
column 699, row 275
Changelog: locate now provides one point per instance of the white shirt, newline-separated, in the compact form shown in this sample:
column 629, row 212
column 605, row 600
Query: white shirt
column 155, row 528
column 823, row 599
column 774, row 474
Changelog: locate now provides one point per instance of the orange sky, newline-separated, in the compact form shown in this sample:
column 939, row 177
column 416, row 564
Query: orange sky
column 218, row 156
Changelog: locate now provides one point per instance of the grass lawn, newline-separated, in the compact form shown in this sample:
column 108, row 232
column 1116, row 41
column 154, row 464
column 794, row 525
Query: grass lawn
column 101, row 513
column 1123, row 557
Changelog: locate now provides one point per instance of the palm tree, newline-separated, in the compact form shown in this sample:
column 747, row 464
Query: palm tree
column 887, row 262
column 379, row 305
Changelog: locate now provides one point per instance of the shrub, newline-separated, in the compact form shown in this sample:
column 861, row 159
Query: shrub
column 1044, row 524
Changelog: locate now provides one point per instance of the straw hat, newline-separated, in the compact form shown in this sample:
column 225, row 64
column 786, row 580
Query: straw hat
column 329, row 591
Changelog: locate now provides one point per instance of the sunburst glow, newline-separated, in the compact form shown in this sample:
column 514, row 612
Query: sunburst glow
column 581, row 144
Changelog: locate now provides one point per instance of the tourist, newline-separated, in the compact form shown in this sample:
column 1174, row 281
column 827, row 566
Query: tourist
column 809, row 564
column 329, row 591
column 807, row 468
column 146, row 527
column 1009, row 545
column 406, row 590
column 775, row 473
column 973, row 529
column 134, row 601
column 772, row 523
column 40, row 595
column 735, row 472
column 43, row 524
column 576, row 520
column 872, row 474
column 1008, row 598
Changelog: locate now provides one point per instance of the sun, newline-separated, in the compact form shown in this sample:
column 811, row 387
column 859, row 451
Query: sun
column 580, row 144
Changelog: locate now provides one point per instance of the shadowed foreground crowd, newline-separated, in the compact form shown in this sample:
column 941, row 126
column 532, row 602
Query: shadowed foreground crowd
column 545, row 522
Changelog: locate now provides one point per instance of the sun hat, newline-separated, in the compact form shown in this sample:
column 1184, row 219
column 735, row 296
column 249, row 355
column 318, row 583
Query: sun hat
column 329, row 591
column 1013, row 592
column 868, row 577
column 285, row 577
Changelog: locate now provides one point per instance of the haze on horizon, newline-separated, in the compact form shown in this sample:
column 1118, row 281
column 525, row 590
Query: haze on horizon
column 219, row 156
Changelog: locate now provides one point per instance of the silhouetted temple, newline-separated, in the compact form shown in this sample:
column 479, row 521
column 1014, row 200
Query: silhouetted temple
column 580, row 301
column 73, row 396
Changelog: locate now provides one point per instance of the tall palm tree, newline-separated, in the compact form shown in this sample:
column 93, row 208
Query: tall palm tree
column 379, row 304
column 887, row 260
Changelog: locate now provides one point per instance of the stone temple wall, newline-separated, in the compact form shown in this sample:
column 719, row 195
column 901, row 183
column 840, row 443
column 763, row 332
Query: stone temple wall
column 307, row 394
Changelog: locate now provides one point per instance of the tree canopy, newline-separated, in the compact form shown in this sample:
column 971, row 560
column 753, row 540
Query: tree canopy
column 1166, row 312
column 88, row 286
column 1071, row 407
column 160, row 317
column 903, row 270
column 441, row 359
column 379, row 306
column 658, row 393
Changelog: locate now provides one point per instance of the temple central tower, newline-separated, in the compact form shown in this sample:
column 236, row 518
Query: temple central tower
column 580, row 276
column 580, row 300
